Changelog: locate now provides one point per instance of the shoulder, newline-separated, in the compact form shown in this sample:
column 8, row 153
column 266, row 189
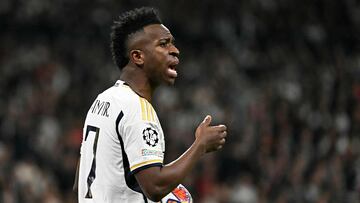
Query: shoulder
column 124, row 99
column 113, row 100
column 120, row 94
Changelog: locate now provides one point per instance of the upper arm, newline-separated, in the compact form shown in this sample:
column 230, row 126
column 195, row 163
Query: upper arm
column 142, row 140
column 147, row 179
column 143, row 145
column 156, row 182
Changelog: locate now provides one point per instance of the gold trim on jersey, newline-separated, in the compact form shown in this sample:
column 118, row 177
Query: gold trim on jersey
column 147, row 111
column 126, row 86
column 145, row 163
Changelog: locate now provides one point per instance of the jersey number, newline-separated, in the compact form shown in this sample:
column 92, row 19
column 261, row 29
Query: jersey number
column 91, row 176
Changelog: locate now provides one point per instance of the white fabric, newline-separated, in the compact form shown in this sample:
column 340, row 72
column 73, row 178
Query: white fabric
column 143, row 142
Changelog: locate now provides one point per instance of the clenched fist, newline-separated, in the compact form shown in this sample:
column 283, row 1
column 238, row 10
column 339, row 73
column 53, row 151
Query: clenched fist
column 210, row 138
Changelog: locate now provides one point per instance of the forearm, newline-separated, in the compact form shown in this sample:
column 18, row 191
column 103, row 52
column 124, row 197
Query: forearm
column 157, row 182
column 163, row 180
column 174, row 173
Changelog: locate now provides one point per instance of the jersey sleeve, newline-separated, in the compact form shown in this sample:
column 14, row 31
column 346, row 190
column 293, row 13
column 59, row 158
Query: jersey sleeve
column 143, row 137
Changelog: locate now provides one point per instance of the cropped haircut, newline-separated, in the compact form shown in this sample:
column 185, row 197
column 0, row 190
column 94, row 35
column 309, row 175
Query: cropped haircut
column 127, row 24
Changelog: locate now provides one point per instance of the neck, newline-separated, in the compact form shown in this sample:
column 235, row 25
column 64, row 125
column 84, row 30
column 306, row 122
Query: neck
column 138, row 82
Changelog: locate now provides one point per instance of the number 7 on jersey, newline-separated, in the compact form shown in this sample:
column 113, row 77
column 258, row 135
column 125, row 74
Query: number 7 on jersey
column 91, row 130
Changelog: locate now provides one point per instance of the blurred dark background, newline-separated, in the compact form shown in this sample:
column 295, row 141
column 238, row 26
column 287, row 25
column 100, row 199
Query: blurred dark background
column 283, row 75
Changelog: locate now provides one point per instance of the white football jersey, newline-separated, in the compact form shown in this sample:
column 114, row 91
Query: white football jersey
column 122, row 135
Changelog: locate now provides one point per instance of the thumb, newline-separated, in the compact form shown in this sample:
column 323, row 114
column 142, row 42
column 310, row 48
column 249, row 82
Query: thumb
column 207, row 120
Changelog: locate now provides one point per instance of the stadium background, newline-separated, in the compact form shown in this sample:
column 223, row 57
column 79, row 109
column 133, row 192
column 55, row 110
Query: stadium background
column 283, row 75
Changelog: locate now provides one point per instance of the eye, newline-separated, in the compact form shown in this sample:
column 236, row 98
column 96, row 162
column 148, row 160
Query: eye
column 163, row 43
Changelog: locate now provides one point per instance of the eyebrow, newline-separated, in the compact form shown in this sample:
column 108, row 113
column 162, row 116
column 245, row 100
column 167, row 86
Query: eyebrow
column 168, row 39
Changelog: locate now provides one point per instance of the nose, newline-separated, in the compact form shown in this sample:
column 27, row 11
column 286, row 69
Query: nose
column 174, row 51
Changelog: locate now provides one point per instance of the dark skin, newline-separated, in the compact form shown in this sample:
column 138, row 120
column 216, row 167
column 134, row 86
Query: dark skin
column 153, row 60
column 152, row 56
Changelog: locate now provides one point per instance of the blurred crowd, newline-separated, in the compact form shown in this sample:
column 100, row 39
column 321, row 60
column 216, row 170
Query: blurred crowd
column 284, row 76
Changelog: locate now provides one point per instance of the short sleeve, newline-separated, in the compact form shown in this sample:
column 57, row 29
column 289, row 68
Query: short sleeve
column 143, row 138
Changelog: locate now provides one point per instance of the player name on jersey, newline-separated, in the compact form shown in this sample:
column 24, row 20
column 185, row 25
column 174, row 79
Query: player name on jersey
column 100, row 108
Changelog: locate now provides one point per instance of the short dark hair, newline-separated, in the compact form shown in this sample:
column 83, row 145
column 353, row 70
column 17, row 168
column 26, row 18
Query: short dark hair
column 127, row 24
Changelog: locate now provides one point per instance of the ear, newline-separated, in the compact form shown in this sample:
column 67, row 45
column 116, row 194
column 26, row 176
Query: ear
column 137, row 57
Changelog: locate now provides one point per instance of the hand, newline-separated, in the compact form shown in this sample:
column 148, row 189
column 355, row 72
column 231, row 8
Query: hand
column 211, row 138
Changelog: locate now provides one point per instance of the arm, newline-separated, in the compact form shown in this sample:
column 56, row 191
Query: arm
column 156, row 182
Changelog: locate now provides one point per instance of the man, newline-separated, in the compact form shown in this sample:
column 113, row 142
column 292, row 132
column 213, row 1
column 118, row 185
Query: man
column 123, row 143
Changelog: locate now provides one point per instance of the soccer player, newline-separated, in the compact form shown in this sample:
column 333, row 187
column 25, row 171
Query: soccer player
column 122, row 152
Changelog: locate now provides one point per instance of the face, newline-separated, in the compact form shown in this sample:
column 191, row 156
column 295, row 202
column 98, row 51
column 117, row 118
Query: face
column 160, row 56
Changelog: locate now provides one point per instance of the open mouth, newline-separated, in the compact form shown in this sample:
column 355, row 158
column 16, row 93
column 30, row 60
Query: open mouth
column 172, row 69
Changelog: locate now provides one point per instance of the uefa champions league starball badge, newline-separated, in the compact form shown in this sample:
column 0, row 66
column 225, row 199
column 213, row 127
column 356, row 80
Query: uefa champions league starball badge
column 150, row 136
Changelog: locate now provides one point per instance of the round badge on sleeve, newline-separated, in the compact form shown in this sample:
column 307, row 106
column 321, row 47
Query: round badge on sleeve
column 150, row 136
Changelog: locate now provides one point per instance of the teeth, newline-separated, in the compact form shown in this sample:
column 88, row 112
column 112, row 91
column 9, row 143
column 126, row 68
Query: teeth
column 172, row 72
